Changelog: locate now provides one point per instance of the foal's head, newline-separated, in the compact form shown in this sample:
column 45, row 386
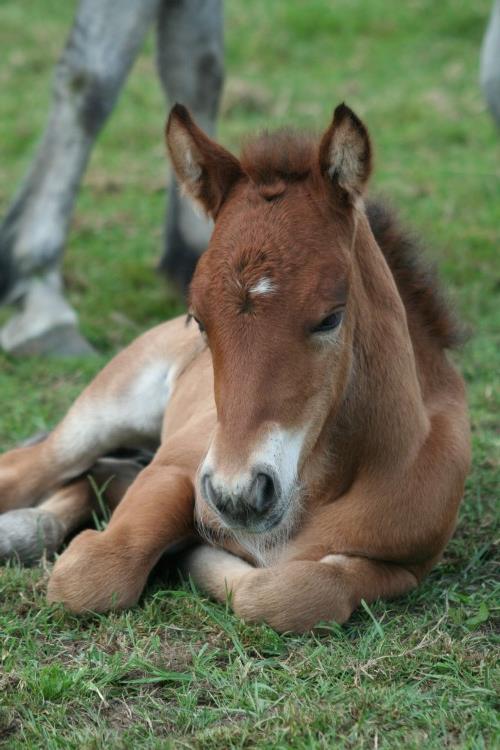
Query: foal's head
column 271, row 297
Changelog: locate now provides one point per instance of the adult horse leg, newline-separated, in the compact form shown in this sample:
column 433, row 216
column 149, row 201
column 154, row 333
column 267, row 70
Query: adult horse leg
column 101, row 48
column 191, row 67
column 490, row 63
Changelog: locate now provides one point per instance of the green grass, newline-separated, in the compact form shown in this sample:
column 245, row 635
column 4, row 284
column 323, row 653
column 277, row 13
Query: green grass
column 179, row 671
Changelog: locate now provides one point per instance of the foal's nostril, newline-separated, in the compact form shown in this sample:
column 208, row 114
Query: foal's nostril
column 262, row 493
column 215, row 496
column 208, row 489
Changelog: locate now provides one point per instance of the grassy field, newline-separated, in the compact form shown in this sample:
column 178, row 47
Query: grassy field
column 179, row 671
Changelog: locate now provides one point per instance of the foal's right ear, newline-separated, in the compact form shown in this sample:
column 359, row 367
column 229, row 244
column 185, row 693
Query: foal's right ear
column 205, row 170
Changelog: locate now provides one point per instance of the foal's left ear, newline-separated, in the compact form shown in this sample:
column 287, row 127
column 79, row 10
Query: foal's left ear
column 345, row 154
column 205, row 170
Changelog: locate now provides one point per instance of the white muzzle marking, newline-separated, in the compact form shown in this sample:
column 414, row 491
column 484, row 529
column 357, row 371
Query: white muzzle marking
column 279, row 451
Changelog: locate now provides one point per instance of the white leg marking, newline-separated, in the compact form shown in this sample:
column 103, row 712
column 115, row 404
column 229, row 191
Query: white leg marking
column 132, row 416
column 334, row 559
column 215, row 570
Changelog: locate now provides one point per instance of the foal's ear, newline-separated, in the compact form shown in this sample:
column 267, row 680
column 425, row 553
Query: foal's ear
column 205, row 170
column 345, row 154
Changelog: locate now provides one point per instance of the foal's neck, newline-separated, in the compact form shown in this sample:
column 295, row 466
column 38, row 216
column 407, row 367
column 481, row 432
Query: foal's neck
column 383, row 417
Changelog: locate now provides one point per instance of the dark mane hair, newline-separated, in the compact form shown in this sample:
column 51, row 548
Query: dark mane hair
column 415, row 277
column 290, row 156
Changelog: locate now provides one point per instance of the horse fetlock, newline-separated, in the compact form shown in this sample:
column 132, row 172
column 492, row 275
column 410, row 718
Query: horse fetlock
column 92, row 575
column 46, row 324
column 29, row 533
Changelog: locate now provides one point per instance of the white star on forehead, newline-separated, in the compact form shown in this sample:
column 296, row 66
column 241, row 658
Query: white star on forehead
column 263, row 286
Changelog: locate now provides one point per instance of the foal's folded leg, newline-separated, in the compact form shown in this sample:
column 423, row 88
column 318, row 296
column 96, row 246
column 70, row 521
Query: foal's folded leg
column 123, row 406
column 109, row 569
column 27, row 534
column 296, row 595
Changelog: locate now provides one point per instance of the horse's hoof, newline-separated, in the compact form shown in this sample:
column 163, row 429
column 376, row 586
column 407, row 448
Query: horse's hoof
column 44, row 324
column 29, row 533
column 60, row 341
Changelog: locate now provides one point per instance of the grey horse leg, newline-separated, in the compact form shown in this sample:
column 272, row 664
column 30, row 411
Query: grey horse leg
column 490, row 63
column 191, row 68
column 103, row 43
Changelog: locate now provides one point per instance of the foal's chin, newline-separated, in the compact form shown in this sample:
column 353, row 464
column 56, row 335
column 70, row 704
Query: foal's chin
column 270, row 524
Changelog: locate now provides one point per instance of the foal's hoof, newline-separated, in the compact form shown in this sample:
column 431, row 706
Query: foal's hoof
column 26, row 534
column 93, row 575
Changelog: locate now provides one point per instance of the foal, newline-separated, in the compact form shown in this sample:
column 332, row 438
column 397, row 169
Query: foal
column 312, row 430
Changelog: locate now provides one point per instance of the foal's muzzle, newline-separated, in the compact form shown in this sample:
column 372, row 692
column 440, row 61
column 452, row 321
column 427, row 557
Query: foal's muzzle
column 248, row 506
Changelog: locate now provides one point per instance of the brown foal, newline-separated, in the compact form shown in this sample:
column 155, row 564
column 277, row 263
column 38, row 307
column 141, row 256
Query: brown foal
column 311, row 438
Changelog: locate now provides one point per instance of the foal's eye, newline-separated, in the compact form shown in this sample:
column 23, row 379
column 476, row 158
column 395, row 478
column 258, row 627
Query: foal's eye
column 198, row 322
column 200, row 325
column 329, row 323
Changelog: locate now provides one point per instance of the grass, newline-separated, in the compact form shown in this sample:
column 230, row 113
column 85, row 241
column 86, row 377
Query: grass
column 179, row 671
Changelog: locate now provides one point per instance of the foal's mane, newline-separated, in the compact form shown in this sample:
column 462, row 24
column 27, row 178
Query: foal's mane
column 415, row 277
column 289, row 156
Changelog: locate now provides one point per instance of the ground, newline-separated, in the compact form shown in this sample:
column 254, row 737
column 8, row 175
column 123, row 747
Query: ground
column 179, row 671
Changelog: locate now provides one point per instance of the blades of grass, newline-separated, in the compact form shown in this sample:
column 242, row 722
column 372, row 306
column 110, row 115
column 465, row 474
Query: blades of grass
column 156, row 674
column 211, row 610
column 378, row 626
column 481, row 616
column 100, row 522
column 477, row 557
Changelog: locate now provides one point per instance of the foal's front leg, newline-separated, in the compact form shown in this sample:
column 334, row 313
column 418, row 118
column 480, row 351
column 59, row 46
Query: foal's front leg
column 109, row 569
column 297, row 595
